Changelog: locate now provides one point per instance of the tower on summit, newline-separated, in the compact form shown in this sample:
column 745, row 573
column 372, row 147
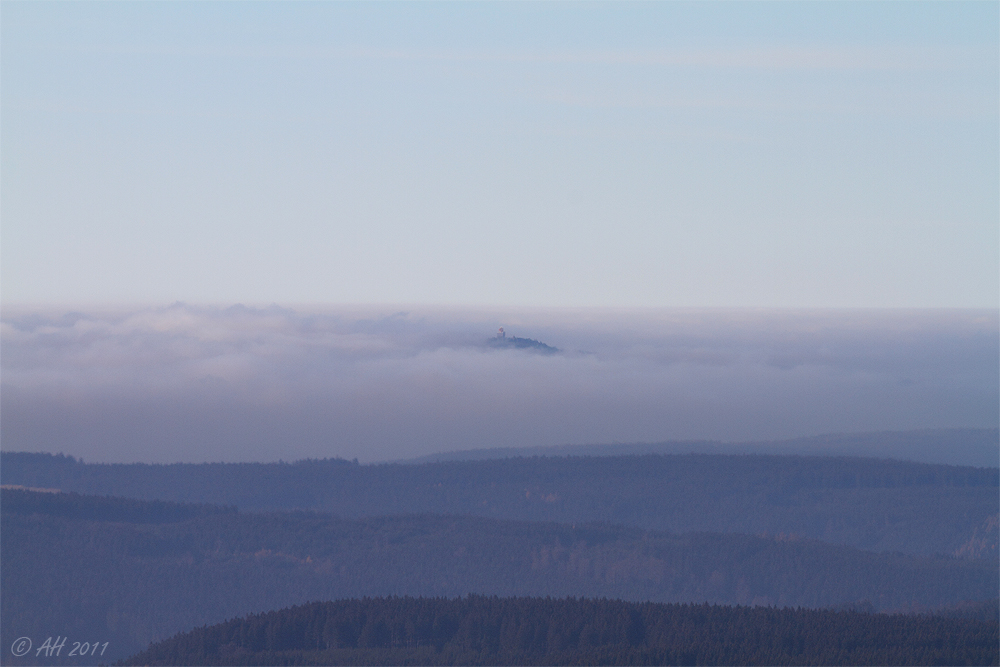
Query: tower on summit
column 501, row 334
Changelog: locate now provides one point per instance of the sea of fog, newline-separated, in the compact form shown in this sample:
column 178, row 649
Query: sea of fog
column 199, row 383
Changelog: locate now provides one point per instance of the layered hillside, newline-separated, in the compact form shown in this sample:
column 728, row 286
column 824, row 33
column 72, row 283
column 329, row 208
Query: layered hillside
column 129, row 572
column 873, row 504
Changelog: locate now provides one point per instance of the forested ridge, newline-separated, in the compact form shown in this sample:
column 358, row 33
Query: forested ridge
column 478, row 630
column 79, row 564
column 873, row 504
column 103, row 508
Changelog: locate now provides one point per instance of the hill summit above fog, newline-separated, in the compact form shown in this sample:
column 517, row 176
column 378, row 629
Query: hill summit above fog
column 502, row 340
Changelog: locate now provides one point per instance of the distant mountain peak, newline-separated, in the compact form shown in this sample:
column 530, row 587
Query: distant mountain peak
column 502, row 340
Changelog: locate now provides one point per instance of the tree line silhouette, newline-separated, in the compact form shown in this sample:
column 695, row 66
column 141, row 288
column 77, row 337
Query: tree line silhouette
column 480, row 630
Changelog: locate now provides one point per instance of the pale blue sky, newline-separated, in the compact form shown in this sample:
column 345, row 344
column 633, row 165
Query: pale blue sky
column 549, row 154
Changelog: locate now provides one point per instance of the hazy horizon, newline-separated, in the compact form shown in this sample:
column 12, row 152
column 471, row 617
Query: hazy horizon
column 198, row 383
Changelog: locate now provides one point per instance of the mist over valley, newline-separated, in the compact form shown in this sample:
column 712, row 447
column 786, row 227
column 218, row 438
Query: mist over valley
column 189, row 383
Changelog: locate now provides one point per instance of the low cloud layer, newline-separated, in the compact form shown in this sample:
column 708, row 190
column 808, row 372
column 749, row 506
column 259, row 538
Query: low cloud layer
column 186, row 383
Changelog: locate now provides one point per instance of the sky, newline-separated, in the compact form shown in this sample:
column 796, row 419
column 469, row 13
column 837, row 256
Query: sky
column 551, row 155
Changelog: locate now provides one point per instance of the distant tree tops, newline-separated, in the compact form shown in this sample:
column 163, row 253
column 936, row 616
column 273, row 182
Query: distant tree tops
column 478, row 630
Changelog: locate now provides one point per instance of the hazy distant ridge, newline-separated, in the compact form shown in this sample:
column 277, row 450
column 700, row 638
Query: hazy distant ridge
column 957, row 446
column 881, row 505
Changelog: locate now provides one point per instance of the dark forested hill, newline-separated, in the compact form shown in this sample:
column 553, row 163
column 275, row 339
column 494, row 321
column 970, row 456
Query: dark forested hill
column 81, row 568
column 532, row 631
column 103, row 508
column 521, row 344
column 873, row 504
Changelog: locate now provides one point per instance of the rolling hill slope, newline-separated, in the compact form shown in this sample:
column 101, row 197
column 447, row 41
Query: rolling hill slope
column 871, row 504
column 533, row 631
column 127, row 575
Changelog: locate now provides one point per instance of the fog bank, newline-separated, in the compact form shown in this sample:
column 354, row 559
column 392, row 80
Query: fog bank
column 198, row 383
